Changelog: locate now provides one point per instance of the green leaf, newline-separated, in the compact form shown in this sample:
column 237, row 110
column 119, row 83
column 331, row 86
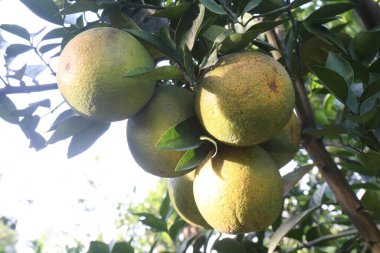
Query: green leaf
column 98, row 247
column 160, row 73
column 188, row 63
column 176, row 229
column 80, row 6
column 155, row 223
column 62, row 117
column 298, row 3
column 194, row 157
column 338, row 64
column 54, row 34
column 119, row 19
column 228, row 245
column 332, row 81
column 238, row 41
column 328, row 11
column 7, row 108
column 370, row 90
column 370, row 200
column 322, row 32
column 68, row 128
column 122, row 247
column 291, row 179
column 46, row 48
column 371, row 159
column 362, row 40
column 266, row 25
column 173, row 12
column 212, row 6
column 288, row 225
column 84, row 140
column 183, row 136
column 45, row 9
column 16, row 30
column 16, row 49
column 188, row 26
column 156, row 42
column 165, row 207
column 251, row 5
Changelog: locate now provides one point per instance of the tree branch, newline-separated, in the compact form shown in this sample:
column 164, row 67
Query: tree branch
column 27, row 89
column 338, row 184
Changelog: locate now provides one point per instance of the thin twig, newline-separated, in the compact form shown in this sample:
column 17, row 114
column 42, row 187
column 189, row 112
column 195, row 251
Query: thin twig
column 6, row 84
column 27, row 89
column 42, row 59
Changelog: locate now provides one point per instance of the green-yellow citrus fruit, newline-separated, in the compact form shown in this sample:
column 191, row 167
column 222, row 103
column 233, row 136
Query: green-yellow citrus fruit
column 91, row 74
column 168, row 106
column 182, row 198
column 239, row 190
column 245, row 99
column 285, row 144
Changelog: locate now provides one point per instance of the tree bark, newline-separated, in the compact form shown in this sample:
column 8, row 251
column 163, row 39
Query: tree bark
column 338, row 184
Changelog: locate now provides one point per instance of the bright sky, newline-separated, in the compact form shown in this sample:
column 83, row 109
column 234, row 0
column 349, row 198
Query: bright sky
column 42, row 190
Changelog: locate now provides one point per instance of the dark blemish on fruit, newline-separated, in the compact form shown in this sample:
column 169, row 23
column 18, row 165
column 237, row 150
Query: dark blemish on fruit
column 272, row 86
column 67, row 66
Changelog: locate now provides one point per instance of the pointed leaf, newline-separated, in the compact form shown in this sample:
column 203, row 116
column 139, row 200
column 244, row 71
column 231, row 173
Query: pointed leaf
column 338, row 64
column 80, row 6
column 183, row 136
column 62, row 117
column 68, row 128
column 266, row 25
column 46, row 48
column 16, row 49
column 156, row 42
column 288, row 225
column 212, row 6
column 251, row 5
column 45, row 9
column 238, row 41
column 155, row 223
column 16, row 30
column 188, row 26
column 55, row 33
column 322, row 32
column 122, row 247
column 160, row 73
column 174, row 12
column 291, row 179
column 362, row 40
column 298, row 3
column 332, row 81
column 7, row 109
column 98, row 247
column 165, row 206
column 176, row 228
column 330, row 10
column 194, row 157
column 84, row 140
column 119, row 19
column 228, row 245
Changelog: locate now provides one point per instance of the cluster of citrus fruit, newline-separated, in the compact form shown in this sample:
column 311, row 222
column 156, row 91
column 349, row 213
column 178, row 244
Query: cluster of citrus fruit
column 245, row 102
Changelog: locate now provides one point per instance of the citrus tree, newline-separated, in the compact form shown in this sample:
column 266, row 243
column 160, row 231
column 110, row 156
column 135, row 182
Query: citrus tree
column 218, row 96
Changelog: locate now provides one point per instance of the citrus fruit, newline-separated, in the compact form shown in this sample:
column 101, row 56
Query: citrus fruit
column 91, row 72
column 245, row 99
column 168, row 106
column 284, row 145
column 182, row 198
column 239, row 190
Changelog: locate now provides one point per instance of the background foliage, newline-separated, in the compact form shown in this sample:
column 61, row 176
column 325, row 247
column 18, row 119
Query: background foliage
column 331, row 51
